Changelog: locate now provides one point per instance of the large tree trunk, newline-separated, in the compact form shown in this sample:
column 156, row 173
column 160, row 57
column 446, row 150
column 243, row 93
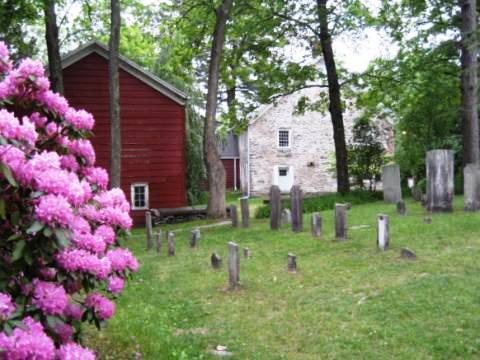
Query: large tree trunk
column 471, row 146
column 335, row 104
column 53, row 47
column 215, row 169
column 114, row 96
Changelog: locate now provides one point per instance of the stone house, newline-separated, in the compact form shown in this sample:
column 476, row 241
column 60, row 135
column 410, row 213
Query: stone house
column 282, row 148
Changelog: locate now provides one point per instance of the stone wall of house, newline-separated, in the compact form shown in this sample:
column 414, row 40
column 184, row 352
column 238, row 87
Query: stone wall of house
column 312, row 148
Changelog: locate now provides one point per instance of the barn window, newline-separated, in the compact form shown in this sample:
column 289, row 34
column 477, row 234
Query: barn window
column 284, row 139
column 139, row 196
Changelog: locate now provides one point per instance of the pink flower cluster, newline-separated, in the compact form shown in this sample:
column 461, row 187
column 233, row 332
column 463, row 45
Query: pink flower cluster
column 58, row 186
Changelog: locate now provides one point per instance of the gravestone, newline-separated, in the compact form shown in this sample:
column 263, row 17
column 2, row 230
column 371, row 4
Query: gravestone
column 340, row 222
column 383, row 232
column 286, row 216
column 171, row 243
column 275, row 208
column 233, row 266
column 440, row 172
column 158, row 241
column 417, row 193
column 195, row 238
column 246, row 253
column 392, row 191
column 401, row 208
column 316, row 225
column 148, row 229
column 234, row 215
column 471, row 187
column 216, row 261
column 296, row 206
column 408, row 254
column 292, row 262
column 245, row 212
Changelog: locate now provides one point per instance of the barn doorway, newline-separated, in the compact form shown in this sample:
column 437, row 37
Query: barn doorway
column 283, row 177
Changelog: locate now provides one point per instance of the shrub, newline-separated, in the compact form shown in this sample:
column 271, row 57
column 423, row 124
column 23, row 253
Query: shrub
column 61, row 260
column 325, row 202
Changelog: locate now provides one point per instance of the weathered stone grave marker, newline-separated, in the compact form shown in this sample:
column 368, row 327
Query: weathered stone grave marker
column 401, row 208
column 292, row 262
column 296, row 206
column 148, row 229
column 417, row 193
column 392, row 191
column 246, row 253
column 245, row 212
column 216, row 261
column 340, row 222
column 234, row 215
column 471, row 187
column 233, row 266
column 440, row 172
column 286, row 216
column 275, row 208
column 195, row 238
column 171, row 243
column 383, row 232
column 158, row 241
column 316, row 225
column 408, row 254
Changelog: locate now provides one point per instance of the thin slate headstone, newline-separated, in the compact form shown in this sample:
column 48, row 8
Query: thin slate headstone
column 440, row 173
column 245, row 212
column 246, row 253
column 148, row 229
column 340, row 222
column 171, row 243
column 216, row 261
column 417, row 193
column 408, row 254
column 275, row 208
column 292, row 262
column 316, row 225
column 296, row 206
column 158, row 241
column 195, row 238
column 392, row 191
column 471, row 187
column 401, row 208
column 286, row 216
column 383, row 232
column 234, row 215
column 233, row 266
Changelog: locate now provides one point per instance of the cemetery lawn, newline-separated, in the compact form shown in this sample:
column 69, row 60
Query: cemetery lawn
column 347, row 299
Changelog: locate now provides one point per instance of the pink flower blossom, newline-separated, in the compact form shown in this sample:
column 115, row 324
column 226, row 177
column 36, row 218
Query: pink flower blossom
column 79, row 224
column 39, row 120
column 73, row 311
column 106, row 233
column 7, row 307
column 116, row 217
column 29, row 342
column 15, row 159
column 80, row 119
column 84, row 261
column 90, row 212
column 48, row 273
column 84, row 149
column 113, row 198
column 73, row 351
column 53, row 210
column 89, row 242
column 121, row 259
column 49, row 297
column 97, row 176
column 64, row 332
column 27, row 81
column 5, row 63
column 115, row 285
column 102, row 307
column 54, row 101
column 69, row 162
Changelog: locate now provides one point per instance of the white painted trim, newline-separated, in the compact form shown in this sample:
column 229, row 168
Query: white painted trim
column 230, row 158
column 132, row 196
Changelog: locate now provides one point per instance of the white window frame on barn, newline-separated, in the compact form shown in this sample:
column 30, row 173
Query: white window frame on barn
column 146, row 196
column 289, row 139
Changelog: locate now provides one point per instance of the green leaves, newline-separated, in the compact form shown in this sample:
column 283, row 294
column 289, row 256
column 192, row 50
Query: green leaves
column 18, row 250
column 35, row 227
column 8, row 174
column 62, row 239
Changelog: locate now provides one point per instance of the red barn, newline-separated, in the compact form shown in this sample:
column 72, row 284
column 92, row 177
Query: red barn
column 152, row 122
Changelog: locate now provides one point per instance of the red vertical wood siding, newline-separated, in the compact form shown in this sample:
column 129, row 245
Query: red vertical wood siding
column 229, row 170
column 153, row 131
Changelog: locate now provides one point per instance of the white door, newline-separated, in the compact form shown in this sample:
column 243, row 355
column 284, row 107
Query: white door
column 283, row 177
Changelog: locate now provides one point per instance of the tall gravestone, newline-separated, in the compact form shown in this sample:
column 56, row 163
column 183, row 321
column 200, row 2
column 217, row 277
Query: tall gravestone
column 245, row 212
column 296, row 205
column 148, row 229
column 392, row 191
column 439, row 180
column 316, row 225
column 471, row 187
column 340, row 222
column 233, row 266
column 171, row 243
column 234, row 215
column 275, row 208
column 383, row 232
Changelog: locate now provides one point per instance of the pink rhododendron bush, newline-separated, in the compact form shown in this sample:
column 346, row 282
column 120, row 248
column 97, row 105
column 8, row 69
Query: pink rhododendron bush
column 60, row 228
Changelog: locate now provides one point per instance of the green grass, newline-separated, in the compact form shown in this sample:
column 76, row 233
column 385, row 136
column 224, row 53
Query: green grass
column 346, row 301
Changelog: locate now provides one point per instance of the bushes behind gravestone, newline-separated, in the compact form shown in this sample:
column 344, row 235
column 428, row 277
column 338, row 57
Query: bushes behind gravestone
column 60, row 257
column 325, row 202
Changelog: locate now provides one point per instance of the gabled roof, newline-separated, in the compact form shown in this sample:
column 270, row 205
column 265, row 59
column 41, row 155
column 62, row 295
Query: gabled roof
column 127, row 65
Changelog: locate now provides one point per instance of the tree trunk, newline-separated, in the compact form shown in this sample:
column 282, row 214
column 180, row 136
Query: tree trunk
column 215, row 169
column 114, row 96
column 53, row 47
column 335, row 104
column 471, row 146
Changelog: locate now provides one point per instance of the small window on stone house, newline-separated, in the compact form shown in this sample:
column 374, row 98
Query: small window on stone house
column 284, row 141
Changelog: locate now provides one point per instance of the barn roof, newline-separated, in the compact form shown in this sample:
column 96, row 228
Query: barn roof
column 129, row 66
